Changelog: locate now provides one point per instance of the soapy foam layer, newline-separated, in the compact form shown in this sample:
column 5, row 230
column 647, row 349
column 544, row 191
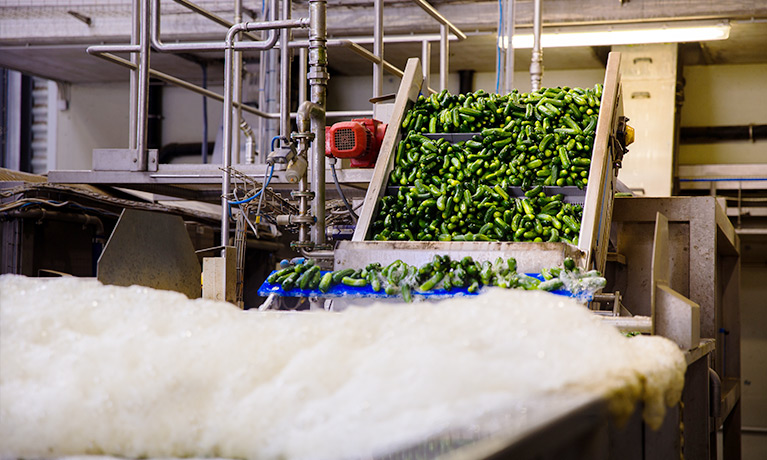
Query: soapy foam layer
column 92, row 369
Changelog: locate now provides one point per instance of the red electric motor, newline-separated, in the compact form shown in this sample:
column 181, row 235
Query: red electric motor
column 359, row 140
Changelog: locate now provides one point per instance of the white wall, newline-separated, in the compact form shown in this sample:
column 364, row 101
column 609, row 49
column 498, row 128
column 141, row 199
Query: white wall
column 714, row 95
column 354, row 92
column 572, row 78
column 183, row 115
column 720, row 96
column 97, row 118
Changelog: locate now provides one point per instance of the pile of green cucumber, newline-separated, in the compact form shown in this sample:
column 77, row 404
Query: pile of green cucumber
column 463, row 191
column 400, row 278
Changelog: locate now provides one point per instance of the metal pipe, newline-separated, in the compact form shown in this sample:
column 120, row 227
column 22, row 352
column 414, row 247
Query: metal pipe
column 133, row 104
column 227, row 135
column 237, row 91
column 378, row 48
column 263, row 139
column 178, row 82
column 285, row 75
column 318, row 81
column 357, row 49
column 142, row 105
column 508, row 81
column 228, row 103
column 213, row 17
column 269, row 42
column 366, row 54
column 536, row 65
column 303, row 56
column 426, row 61
column 95, row 49
column 441, row 19
column 250, row 142
column 444, row 56
column 331, row 114
column 41, row 213
column 204, row 114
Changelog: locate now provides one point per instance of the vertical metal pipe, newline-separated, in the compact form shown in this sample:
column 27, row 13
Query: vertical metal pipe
column 204, row 66
column 263, row 137
column 303, row 55
column 318, row 79
column 508, row 83
column 378, row 48
column 444, row 51
column 134, row 79
column 426, row 62
column 536, row 65
column 142, row 105
column 237, row 91
column 227, row 135
column 285, row 74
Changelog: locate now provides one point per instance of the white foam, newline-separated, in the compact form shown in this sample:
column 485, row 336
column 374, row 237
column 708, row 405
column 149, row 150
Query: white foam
column 92, row 369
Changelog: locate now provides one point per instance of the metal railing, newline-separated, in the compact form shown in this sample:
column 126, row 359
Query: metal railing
column 146, row 34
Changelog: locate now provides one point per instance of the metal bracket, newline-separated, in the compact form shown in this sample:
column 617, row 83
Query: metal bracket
column 302, row 245
column 624, row 135
column 298, row 194
column 122, row 160
column 674, row 316
column 307, row 136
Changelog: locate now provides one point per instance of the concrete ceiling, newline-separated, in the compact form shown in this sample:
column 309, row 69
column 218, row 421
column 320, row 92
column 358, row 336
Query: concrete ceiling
column 51, row 43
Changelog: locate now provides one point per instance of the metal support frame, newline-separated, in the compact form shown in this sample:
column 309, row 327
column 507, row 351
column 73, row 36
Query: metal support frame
column 378, row 48
column 229, row 104
column 508, row 54
column 142, row 99
column 536, row 64
column 444, row 56
column 426, row 59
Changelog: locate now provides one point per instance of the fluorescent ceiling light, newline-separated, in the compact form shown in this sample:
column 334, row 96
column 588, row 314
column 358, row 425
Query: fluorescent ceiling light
column 623, row 34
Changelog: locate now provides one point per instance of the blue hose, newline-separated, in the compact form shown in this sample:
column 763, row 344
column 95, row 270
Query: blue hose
column 249, row 199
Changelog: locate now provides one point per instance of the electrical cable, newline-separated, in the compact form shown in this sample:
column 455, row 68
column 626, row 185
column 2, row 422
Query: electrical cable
column 340, row 192
column 251, row 198
column 261, row 200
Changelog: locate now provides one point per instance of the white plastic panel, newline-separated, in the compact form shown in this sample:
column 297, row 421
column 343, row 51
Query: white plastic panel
column 649, row 91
